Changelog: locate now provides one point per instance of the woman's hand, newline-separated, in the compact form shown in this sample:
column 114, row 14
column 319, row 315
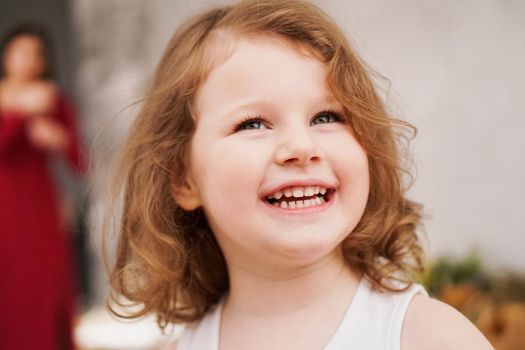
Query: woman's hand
column 47, row 134
column 30, row 99
column 37, row 101
column 37, row 98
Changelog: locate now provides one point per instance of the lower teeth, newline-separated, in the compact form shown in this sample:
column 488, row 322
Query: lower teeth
column 300, row 204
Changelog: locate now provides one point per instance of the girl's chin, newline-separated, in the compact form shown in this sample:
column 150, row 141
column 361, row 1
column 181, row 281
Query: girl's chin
column 304, row 252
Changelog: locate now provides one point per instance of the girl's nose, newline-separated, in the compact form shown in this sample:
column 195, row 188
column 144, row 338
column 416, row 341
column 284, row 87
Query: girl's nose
column 297, row 148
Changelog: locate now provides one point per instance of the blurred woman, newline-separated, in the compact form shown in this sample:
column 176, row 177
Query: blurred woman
column 36, row 122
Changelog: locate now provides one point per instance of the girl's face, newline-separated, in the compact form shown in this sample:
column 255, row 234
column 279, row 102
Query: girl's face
column 280, row 176
column 23, row 58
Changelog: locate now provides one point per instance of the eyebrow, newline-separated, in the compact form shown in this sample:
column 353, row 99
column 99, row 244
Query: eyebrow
column 243, row 107
column 254, row 104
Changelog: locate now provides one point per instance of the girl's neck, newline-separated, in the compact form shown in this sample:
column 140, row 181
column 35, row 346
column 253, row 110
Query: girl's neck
column 259, row 293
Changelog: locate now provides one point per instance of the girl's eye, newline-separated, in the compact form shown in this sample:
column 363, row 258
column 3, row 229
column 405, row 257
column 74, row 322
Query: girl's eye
column 250, row 123
column 327, row 117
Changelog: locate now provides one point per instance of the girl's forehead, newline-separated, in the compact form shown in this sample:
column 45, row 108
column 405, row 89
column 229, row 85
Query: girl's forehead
column 224, row 43
column 265, row 68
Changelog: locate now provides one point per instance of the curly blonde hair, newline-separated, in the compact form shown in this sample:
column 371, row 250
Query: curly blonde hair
column 168, row 260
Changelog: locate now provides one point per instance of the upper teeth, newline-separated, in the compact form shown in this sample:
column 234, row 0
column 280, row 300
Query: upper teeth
column 298, row 192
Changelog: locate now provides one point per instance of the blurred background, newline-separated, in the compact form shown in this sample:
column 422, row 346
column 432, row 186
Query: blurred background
column 455, row 70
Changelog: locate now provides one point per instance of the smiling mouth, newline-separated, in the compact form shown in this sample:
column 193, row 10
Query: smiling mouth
column 300, row 197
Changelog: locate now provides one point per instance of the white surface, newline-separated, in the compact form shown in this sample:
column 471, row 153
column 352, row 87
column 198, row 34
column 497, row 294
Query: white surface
column 97, row 329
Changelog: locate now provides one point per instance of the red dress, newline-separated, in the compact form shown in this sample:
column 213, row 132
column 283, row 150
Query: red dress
column 36, row 271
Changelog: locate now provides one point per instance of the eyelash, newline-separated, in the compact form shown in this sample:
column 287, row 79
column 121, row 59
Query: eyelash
column 247, row 120
column 337, row 118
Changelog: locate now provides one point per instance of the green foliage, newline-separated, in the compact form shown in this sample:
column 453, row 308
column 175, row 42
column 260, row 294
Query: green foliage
column 445, row 272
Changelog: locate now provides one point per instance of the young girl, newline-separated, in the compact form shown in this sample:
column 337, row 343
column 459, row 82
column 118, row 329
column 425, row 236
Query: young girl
column 263, row 196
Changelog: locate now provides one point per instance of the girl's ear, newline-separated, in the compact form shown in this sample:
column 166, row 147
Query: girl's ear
column 187, row 195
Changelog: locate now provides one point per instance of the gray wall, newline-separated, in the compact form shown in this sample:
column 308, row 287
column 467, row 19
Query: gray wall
column 456, row 70
column 457, row 73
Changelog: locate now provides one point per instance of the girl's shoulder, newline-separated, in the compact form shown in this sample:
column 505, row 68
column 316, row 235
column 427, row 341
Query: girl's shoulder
column 431, row 324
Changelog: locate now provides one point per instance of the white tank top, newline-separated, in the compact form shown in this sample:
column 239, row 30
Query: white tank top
column 372, row 321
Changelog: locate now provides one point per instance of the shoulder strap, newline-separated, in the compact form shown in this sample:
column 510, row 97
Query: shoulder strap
column 400, row 307
column 205, row 334
column 374, row 319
